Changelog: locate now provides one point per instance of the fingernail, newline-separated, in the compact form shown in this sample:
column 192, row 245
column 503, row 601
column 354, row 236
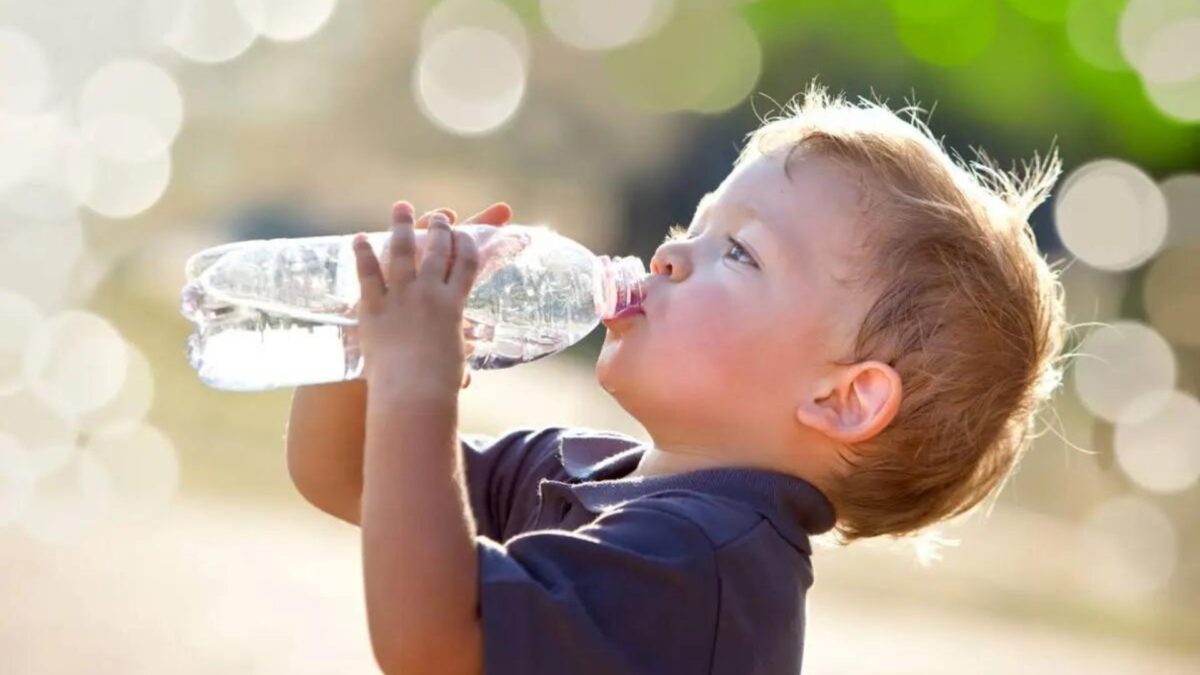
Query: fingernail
column 402, row 212
column 440, row 219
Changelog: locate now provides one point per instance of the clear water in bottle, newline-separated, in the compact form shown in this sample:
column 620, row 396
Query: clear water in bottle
column 281, row 312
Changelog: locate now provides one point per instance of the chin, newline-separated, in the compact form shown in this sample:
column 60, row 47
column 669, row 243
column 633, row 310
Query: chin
column 614, row 371
column 604, row 370
column 627, row 384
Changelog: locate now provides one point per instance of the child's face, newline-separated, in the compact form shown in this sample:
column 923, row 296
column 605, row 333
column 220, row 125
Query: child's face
column 735, row 336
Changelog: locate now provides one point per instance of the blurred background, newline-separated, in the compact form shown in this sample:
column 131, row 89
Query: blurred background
column 147, row 522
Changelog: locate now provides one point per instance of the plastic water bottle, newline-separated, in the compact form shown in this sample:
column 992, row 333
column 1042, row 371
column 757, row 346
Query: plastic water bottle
column 282, row 312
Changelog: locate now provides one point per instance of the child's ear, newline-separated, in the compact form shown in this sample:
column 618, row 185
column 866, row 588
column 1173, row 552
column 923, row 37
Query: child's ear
column 854, row 403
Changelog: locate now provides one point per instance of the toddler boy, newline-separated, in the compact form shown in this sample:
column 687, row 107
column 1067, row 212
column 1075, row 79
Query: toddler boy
column 853, row 335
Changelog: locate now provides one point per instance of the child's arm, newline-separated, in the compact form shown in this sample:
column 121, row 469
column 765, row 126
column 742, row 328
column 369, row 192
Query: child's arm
column 419, row 564
column 419, row 568
column 325, row 435
column 326, row 428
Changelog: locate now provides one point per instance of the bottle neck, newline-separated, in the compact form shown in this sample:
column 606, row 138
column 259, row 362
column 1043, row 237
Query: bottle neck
column 622, row 281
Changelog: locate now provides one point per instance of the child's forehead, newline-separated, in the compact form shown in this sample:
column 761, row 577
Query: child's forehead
column 817, row 190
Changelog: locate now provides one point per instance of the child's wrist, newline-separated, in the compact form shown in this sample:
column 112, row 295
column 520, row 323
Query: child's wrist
column 416, row 395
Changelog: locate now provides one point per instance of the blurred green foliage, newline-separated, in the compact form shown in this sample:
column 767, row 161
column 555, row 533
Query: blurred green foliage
column 1011, row 65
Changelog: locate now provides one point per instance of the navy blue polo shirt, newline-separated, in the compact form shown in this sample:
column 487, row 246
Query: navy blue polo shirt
column 583, row 570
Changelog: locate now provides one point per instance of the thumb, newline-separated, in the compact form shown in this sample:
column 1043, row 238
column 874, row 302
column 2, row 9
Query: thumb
column 497, row 214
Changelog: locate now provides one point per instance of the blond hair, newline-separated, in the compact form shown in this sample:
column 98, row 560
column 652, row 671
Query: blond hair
column 967, row 311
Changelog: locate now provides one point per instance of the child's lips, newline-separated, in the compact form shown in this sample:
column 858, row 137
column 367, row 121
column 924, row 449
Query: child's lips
column 626, row 314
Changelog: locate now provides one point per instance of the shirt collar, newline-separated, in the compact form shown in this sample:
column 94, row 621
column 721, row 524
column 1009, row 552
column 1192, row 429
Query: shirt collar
column 597, row 465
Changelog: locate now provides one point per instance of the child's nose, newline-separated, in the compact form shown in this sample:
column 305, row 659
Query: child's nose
column 663, row 262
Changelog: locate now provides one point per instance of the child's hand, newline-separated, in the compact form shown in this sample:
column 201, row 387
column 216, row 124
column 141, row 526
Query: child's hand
column 410, row 320
column 497, row 215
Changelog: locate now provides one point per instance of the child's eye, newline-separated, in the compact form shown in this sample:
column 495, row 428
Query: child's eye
column 738, row 246
column 677, row 232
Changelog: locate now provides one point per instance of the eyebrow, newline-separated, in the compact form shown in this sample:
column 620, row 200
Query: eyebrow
column 771, row 247
column 705, row 204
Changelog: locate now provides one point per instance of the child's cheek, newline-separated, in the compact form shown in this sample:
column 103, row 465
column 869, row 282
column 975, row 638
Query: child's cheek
column 716, row 346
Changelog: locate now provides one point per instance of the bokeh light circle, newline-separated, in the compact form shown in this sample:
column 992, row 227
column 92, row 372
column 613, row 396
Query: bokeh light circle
column 734, row 79
column 1128, row 548
column 124, row 138
column 1047, row 11
column 1092, row 27
column 214, row 31
column 929, row 10
column 470, row 81
column 69, row 502
column 1154, row 35
column 1182, row 192
column 141, row 466
column 604, row 24
column 1159, row 38
column 1119, row 364
column 1111, row 215
column 29, row 147
column 47, row 433
column 1171, row 295
column 39, row 257
column 1092, row 294
column 1161, row 451
column 945, row 32
column 1172, row 54
column 42, row 199
column 131, row 110
column 115, row 189
column 492, row 15
column 129, row 407
column 1178, row 100
column 287, row 20
column 18, row 316
column 703, row 60
column 24, row 73
column 76, row 361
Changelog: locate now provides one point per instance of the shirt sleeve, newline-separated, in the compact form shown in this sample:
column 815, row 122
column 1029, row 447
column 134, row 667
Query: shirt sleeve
column 634, row 591
column 502, row 475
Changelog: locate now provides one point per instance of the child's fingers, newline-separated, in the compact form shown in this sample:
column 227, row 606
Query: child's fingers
column 402, row 263
column 370, row 277
column 496, row 214
column 439, row 248
column 465, row 264
column 423, row 221
column 385, row 255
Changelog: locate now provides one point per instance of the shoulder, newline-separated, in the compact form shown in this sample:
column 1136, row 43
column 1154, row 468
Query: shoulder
column 720, row 520
column 553, row 435
column 515, row 436
column 528, row 446
column 577, row 450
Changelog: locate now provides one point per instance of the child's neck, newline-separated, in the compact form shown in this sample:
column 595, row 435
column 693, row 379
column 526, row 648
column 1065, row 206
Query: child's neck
column 658, row 462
